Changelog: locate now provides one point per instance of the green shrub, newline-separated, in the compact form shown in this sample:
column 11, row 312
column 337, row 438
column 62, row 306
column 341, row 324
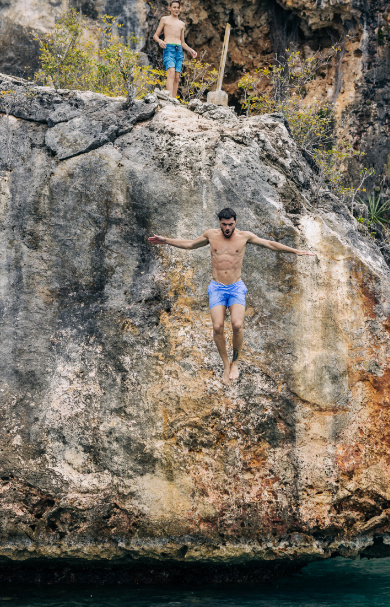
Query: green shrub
column 85, row 56
column 78, row 55
column 197, row 78
column 378, row 209
column 282, row 87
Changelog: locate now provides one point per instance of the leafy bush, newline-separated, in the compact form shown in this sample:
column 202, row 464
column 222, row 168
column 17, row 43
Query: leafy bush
column 78, row 55
column 197, row 78
column 282, row 87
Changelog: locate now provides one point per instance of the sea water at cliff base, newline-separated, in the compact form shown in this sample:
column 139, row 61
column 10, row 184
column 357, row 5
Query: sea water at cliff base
column 338, row 582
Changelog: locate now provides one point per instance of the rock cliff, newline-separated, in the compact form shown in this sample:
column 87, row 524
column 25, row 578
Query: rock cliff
column 358, row 82
column 119, row 444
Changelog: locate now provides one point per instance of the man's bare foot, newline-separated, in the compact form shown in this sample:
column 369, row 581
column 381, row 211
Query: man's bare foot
column 226, row 376
column 234, row 372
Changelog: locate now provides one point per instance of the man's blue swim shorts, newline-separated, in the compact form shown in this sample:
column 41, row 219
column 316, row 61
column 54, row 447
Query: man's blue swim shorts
column 173, row 57
column 226, row 295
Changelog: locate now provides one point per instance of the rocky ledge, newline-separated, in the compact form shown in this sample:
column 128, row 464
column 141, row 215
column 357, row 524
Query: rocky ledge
column 119, row 444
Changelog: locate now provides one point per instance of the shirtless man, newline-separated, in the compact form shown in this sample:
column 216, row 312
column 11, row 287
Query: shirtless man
column 173, row 45
column 227, row 290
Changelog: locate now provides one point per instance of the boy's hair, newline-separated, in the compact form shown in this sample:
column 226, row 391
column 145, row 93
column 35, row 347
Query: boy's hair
column 227, row 214
column 170, row 2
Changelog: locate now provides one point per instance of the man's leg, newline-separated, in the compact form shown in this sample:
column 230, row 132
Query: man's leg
column 218, row 318
column 175, row 84
column 237, row 313
column 170, row 80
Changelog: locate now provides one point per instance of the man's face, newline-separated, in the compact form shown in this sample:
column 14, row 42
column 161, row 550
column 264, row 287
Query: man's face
column 227, row 226
column 175, row 9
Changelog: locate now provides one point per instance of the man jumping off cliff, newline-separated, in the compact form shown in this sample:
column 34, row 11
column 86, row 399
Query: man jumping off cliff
column 227, row 290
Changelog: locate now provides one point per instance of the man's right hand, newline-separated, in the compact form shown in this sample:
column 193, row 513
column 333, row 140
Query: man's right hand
column 306, row 253
column 157, row 239
column 162, row 43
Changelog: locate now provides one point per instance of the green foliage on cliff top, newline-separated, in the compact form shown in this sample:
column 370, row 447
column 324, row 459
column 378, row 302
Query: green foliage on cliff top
column 282, row 87
column 82, row 55
column 78, row 55
column 197, row 78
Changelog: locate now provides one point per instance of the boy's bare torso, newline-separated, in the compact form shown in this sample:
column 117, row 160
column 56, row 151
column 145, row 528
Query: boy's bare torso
column 227, row 255
column 173, row 29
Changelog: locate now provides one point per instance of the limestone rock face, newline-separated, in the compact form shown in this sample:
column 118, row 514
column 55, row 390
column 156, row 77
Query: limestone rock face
column 357, row 83
column 118, row 439
column 22, row 22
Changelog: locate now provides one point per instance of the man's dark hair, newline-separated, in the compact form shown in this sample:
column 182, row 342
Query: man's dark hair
column 173, row 2
column 227, row 214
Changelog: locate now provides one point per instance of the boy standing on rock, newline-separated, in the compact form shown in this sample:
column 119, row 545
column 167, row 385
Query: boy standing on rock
column 173, row 45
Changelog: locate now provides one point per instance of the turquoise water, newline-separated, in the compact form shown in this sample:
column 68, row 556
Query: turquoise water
column 333, row 583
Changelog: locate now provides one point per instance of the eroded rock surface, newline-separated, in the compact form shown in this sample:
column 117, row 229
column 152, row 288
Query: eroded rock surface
column 357, row 82
column 119, row 441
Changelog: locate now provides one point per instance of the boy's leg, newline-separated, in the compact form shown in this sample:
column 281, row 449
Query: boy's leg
column 218, row 319
column 175, row 84
column 237, row 313
column 170, row 80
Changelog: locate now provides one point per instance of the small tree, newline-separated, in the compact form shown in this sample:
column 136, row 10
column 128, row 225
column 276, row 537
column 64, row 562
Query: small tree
column 80, row 56
column 117, row 61
column 197, row 78
column 282, row 87
column 65, row 62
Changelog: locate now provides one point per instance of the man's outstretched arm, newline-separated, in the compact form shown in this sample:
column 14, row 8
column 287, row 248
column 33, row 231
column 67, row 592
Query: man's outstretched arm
column 180, row 243
column 275, row 246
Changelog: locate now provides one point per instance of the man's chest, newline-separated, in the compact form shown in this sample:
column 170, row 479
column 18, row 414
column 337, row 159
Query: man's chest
column 219, row 247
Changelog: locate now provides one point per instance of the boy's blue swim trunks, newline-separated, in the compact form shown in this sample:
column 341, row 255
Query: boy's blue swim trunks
column 173, row 57
column 226, row 295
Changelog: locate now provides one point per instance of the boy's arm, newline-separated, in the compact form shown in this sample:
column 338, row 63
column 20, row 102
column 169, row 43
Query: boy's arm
column 186, row 47
column 274, row 246
column 156, row 36
column 180, row 243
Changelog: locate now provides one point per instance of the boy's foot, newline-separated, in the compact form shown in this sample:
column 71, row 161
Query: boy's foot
column 234, row 372
column 226, row 378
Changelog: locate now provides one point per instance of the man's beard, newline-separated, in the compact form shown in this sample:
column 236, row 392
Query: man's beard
column 229, row 235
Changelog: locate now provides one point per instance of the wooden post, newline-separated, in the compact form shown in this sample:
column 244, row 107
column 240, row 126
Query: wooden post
column 219, row 97
column 223, row 57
